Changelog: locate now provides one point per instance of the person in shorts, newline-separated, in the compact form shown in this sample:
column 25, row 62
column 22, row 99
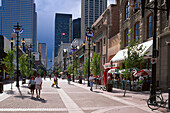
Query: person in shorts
column 56, row 80
column 38, row 85
column 32, row 85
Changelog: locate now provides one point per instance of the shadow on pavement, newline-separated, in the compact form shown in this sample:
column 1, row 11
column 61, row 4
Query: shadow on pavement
column 10, row 92
column 23, row 97
column 41, row 99
column 24, row 86
column 97, row 92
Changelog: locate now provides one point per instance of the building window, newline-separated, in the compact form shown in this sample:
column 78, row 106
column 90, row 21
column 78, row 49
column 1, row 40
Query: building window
column 150, row 26
column 136, row 5
column 104, row 60
column 127, row 10
column 126, row 37
column 137, row 31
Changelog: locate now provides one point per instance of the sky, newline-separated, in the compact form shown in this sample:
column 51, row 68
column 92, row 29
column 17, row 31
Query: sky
column 46, row 10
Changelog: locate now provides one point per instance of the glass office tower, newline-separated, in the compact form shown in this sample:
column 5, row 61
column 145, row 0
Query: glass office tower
column 90, row 11
column 63, row 30
column 77, row 28
column 22, row 11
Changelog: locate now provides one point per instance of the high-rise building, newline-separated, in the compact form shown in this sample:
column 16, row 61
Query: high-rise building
column 90, row 11
column 77, row 28
column 63, row 30
column 22, row 11
column 42, row 49
column 35, row 29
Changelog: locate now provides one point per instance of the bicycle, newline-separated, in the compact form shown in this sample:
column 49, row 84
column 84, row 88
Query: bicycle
column 157, row 101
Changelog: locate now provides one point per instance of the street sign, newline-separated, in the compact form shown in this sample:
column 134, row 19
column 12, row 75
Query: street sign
column 90, row 34
column 153, row 60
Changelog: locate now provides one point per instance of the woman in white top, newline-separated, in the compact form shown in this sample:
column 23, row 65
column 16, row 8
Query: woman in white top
column 38, row 85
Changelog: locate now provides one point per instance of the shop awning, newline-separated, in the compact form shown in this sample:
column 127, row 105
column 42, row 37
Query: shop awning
column 122, row 54
column 81, row 56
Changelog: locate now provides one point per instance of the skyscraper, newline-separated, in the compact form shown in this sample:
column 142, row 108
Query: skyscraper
column 77, row 28
column 63, row 30
column 42, row 49
column 90, row 11
column 22, row 11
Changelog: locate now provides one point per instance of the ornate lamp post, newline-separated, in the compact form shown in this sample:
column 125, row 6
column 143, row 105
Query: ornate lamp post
column 89, row 36
column 65, row 55
column 18, row 30
column 74, row 48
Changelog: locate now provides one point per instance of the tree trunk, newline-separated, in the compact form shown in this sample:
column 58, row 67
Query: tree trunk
column 11, row 83
column 96, row 82
column 125, row 88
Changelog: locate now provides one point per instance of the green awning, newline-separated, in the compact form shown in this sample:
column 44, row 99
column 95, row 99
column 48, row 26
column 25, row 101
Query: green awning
column 81, row 56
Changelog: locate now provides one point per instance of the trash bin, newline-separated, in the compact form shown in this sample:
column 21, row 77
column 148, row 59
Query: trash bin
column 23, row 81
column 109, row 87
column 1, row 87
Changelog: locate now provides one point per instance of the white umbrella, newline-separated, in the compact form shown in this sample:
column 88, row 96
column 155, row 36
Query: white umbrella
column 113, row 71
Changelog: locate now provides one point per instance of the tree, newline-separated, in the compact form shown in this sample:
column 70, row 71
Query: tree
column 134, row 58
column 40, row 72
column 70, row 69
column 95, row 65
column 8, row 62
column 23, row 65
column 86, row 67
column 29, row 66
column 76, row 66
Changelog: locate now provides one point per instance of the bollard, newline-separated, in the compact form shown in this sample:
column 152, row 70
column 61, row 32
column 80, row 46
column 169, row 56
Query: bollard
column 169, row 98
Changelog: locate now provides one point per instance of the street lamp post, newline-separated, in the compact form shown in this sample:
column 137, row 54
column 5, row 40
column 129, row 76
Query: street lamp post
column 65, row 54
column 89, row 35
column 18, row 30
column 155, row 51
column 30, row 49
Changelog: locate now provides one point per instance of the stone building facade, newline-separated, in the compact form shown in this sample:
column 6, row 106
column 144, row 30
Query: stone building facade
column 106, row 27
column 132, row 23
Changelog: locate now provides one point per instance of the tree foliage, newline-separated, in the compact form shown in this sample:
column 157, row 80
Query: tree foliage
column 135, row 57
column 95, row 65
column 8, row 62
column 76, row 66
column 29, row 67
column 86, row 67
column 40, row 72
column 70, row 69
column 23, row 65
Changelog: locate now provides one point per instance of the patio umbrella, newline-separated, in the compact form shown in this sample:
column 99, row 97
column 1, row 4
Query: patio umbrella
column 142, row 72
column 61, row 73
column 113, row 71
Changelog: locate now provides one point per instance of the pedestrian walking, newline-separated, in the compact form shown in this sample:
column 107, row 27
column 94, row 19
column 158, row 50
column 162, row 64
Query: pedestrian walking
column 32, row 85
column 91, row 78
column 38, row 85
column 44, row 76
column 56, row 80
column 50, row 76
column 69, row 78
